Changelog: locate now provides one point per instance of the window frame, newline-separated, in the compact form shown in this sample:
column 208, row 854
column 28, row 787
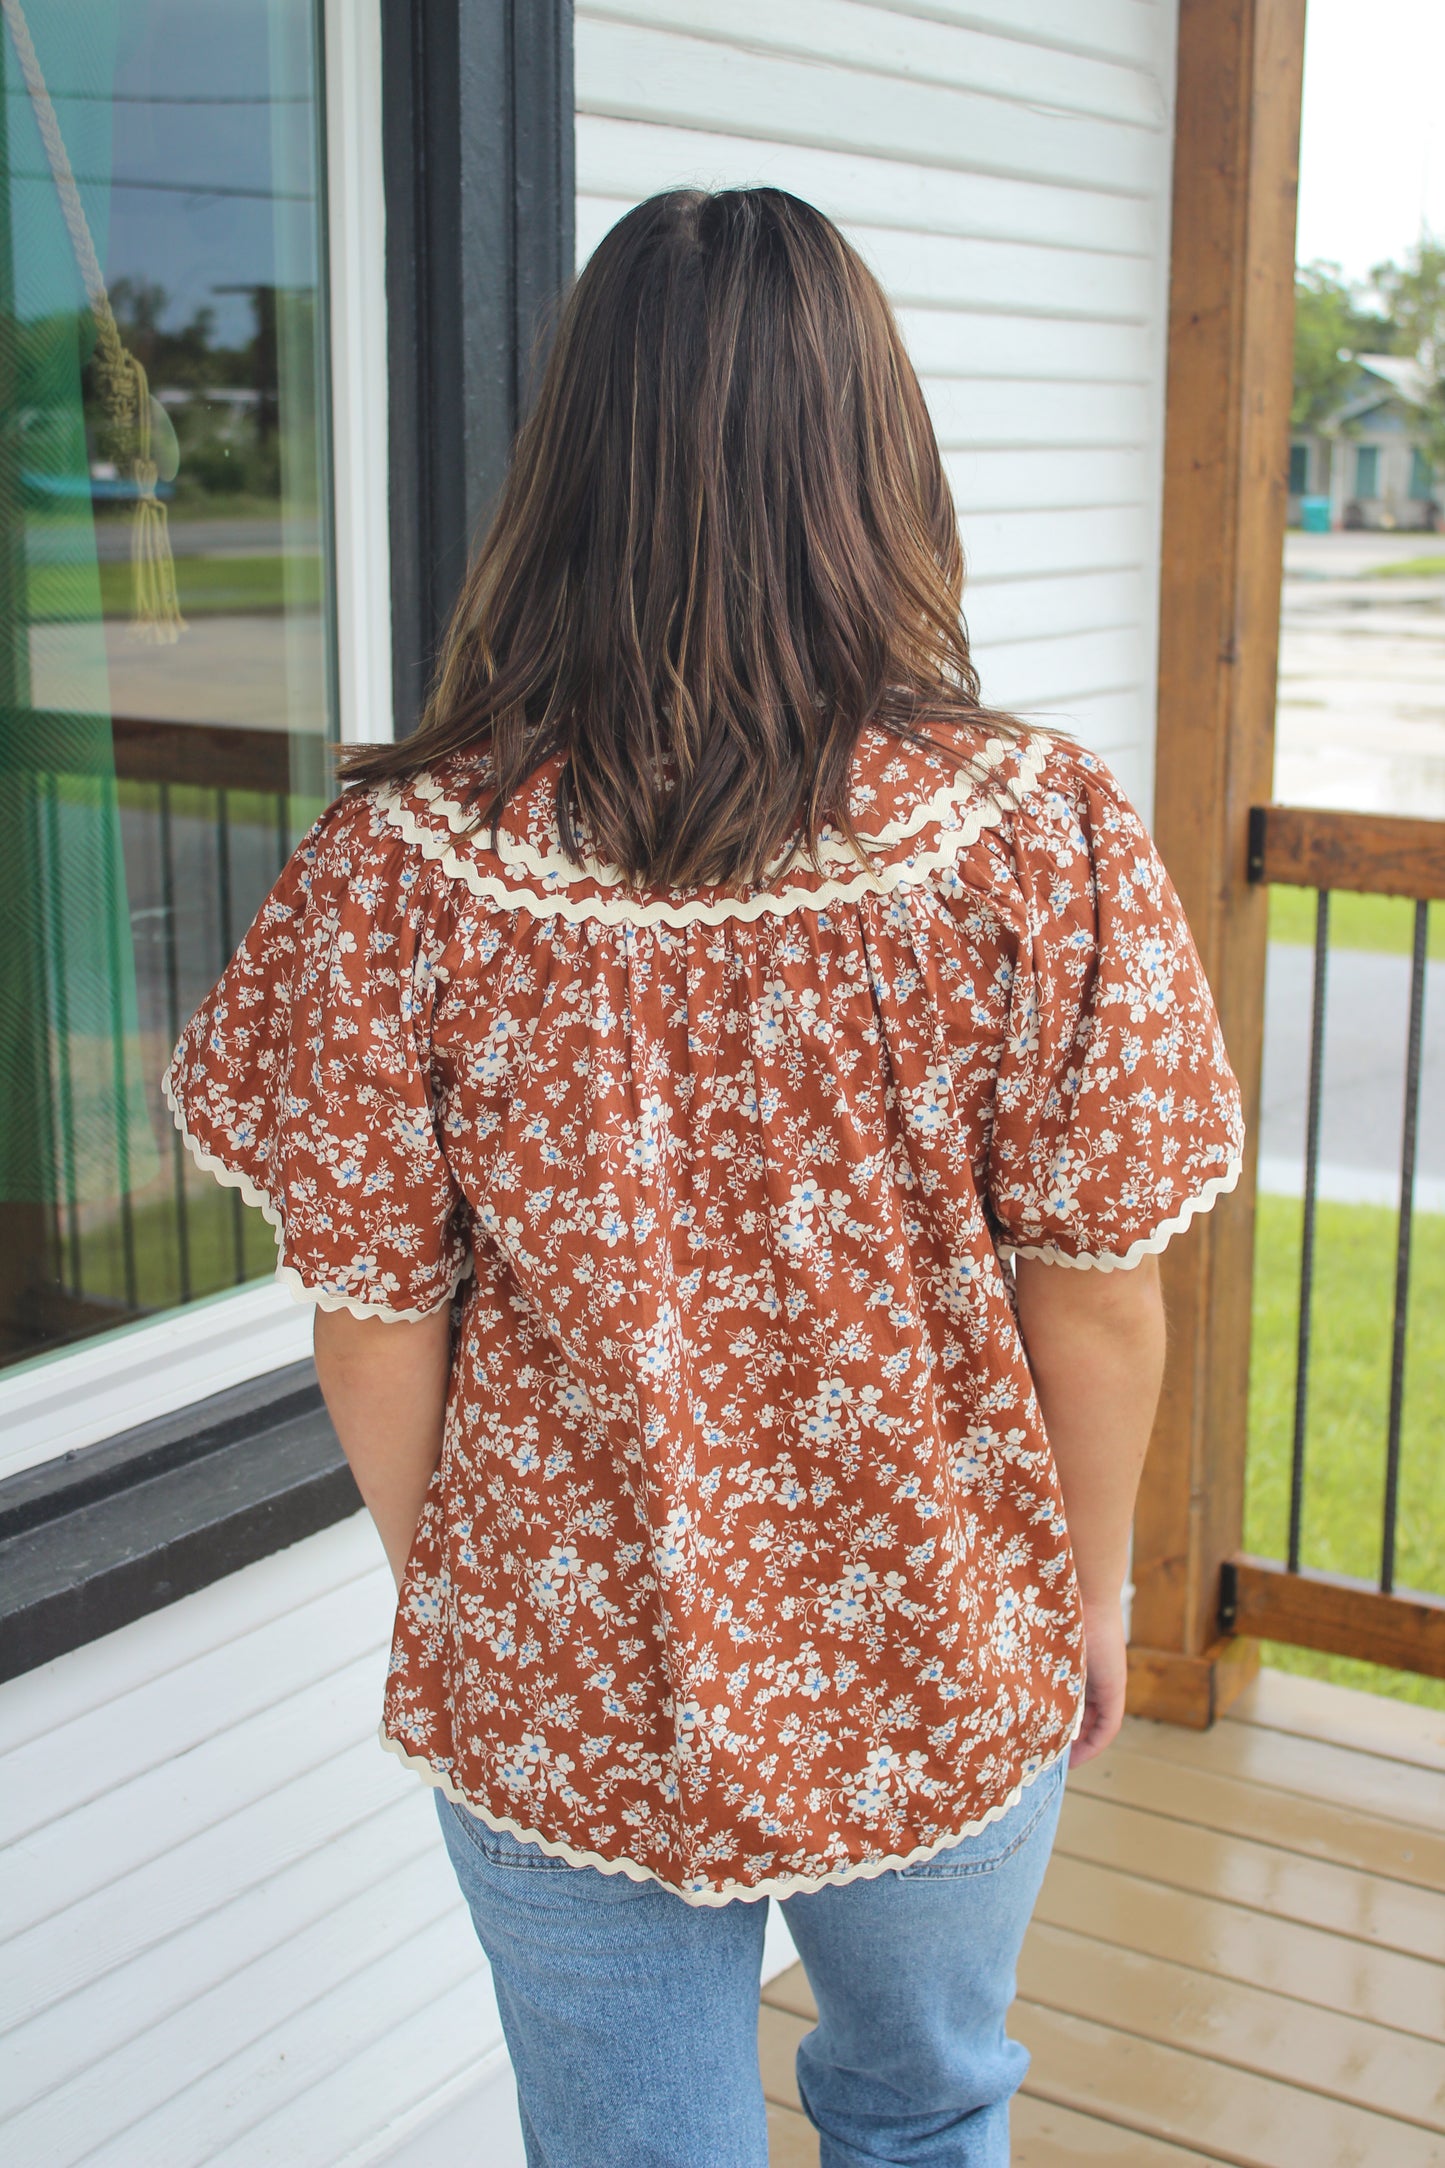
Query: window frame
column 75, row 1397
column 429, row 317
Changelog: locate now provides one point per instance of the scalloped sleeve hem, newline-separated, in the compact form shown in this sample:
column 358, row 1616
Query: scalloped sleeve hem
column 1150, row 1245
column 302, row 1287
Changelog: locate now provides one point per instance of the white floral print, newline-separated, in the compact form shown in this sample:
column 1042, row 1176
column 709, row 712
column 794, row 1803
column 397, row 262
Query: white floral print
column 745, row 1565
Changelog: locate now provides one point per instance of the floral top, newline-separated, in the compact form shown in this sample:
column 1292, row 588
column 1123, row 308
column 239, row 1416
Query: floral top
column 744, row 1567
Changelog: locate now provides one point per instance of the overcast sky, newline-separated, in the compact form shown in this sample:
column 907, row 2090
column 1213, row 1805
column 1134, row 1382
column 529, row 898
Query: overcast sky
column 1372, row 159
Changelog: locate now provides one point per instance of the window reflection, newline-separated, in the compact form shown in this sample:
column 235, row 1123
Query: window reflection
column 166, row 665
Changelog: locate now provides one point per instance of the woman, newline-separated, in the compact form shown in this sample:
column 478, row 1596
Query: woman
column 687, row 1076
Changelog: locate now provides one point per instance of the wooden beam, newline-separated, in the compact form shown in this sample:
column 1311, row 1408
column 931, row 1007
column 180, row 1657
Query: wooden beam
column 210, row 755
column 1341, row 1616
column 1190, row 1690
column 1369, row 854
column 1231, row 313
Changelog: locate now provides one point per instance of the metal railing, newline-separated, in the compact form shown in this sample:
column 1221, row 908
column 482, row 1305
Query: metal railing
column 191, row 832
column 1377, row 855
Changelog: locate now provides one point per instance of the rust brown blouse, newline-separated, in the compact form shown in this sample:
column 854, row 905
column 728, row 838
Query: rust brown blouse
column 744, row 1567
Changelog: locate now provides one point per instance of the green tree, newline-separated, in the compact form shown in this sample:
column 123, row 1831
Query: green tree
column 1414, row 293
column 1330, row 328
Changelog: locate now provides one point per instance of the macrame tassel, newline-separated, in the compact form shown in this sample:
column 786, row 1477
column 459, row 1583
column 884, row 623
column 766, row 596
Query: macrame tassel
column 155, row 607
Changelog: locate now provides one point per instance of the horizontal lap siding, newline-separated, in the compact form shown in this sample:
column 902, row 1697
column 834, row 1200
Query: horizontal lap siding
column 228, row 1928
column 231, row 1932
column 1005, row 170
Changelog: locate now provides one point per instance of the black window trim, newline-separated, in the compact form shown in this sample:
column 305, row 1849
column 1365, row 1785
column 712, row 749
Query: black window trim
column 480, row 188
column 477, row 154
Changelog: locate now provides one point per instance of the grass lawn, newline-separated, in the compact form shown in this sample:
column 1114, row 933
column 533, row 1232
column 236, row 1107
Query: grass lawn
column 1411, row 568
column 213, row 1218
column 1383, row 924
column 206, row 587
column 1349, row 1402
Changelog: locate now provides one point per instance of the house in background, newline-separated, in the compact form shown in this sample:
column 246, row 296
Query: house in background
column 1372, row 460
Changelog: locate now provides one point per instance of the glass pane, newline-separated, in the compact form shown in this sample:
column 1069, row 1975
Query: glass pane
column 166, row 650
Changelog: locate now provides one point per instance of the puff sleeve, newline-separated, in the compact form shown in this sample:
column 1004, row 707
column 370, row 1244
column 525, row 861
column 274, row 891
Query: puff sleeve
column 1117, row 1116
column 305, row 1081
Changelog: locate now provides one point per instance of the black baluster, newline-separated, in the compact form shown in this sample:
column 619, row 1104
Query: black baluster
column 54, row 862
column 1307, row 1232
column 110, row 875
column 223, row 894
column 173, row 1027
column 1414, row 1047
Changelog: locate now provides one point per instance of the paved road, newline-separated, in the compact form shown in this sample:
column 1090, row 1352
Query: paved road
column 253, row 672
column 1361, row 724
column 1366, row 1017
column 59, row 541
column 1361, row 712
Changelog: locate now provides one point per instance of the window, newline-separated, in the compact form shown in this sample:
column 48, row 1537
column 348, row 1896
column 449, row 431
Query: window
column 1422, row 475
column 1299, row 469
column 167, row 660
column 1367, row 470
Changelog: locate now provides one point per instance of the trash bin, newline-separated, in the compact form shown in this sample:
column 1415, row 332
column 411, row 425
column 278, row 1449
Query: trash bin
column 1315, row 515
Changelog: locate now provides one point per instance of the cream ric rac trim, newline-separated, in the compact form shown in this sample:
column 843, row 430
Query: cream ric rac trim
column 1147, row 1245
column 561, row 872
column 523, row 857
column 723, row 1893
column 299, row 1289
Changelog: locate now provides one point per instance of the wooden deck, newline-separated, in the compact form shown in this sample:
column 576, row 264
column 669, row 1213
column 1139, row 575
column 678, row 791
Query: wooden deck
column 1239, row 1954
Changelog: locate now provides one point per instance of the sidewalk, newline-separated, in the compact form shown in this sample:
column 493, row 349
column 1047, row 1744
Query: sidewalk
column 1361, row 710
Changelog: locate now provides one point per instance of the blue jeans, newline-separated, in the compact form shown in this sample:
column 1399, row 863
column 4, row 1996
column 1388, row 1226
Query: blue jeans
column 631, row 2017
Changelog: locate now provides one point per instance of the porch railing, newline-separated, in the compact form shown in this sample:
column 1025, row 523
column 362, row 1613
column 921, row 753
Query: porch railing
column 1379, row 855
column 204, row 817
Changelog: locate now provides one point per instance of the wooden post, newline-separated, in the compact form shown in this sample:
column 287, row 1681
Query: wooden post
column 1231, row 315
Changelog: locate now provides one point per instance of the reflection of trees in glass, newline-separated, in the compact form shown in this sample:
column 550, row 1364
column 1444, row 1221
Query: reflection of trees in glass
column 224, row 401
column 147, row 794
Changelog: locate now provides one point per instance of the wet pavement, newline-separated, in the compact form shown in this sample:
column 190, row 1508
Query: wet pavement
column 1367, row 1006
column 1360, row 721
column 1360, row 725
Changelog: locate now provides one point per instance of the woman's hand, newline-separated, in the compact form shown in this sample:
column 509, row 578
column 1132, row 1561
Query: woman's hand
column 1095, row 1343
column 1106, row 1673
column 385, row 1387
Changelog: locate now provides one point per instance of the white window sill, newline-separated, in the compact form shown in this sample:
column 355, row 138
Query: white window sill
column 77, row 1396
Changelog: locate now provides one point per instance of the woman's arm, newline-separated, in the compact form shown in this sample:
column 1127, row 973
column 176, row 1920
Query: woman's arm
column 1095, row 1343
column 385, row 1385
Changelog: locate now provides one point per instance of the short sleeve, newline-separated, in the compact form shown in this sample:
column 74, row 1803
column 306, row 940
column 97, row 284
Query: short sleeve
column 1117, row 1116
column 304, row 1079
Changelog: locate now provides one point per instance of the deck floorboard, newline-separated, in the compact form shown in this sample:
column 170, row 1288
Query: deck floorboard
column 1239, row 1955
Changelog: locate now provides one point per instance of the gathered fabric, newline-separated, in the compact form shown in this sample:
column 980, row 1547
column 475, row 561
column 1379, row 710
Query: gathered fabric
column 745, row 1565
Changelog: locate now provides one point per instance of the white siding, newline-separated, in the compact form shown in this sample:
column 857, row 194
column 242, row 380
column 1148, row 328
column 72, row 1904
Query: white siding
column 231, row 1930
column 1005, row 169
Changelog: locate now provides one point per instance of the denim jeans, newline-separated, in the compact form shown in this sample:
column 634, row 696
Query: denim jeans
column 631, row 2017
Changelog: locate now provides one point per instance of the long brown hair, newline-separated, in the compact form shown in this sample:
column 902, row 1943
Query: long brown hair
column 725, row 545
